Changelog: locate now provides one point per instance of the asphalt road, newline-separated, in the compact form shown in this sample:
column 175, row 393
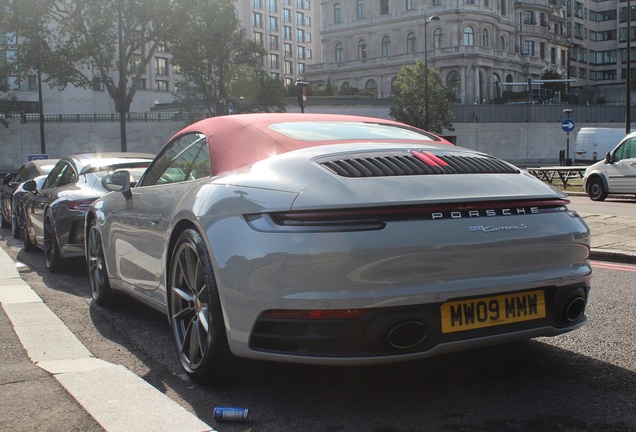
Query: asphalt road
column 581, row 381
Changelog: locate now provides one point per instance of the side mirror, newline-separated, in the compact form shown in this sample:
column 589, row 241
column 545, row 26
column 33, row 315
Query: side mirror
column 118, row 181
column 608, row 158
column 30, row 185
column 7, row 178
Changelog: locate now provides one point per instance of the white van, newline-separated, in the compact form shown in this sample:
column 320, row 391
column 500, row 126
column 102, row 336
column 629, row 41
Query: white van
column 592, row 144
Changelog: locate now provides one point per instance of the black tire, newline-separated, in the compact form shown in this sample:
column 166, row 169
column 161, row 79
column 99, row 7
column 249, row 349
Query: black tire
column 15, row 226
column 596, row 189
column 97, row 272
column 52, row 257
column 27, row 244
column 4, row 223
column 195, row 311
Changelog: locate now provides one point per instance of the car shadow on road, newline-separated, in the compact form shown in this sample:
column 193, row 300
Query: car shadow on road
column 530, row 385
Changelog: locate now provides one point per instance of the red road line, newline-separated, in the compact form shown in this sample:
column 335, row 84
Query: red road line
column 613, row 266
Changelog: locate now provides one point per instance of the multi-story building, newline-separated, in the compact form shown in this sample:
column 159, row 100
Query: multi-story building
column 289, row 30
column 479, row 47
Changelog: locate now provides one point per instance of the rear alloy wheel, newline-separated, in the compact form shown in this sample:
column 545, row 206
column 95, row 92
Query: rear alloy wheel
column 97, row 273
column 596, row 190
column 27, row 244
column 15, row 227
column 195, row 313
column 52, row 256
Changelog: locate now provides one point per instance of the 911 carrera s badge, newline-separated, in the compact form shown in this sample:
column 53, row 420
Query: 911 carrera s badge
column 492, row 228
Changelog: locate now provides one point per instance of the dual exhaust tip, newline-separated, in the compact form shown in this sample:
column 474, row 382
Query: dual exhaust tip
column 409, row 334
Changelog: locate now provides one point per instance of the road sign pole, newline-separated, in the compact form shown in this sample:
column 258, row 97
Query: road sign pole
column 568, row 126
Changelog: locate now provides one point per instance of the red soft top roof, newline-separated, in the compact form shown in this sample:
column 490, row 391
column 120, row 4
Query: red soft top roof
column 240, row 140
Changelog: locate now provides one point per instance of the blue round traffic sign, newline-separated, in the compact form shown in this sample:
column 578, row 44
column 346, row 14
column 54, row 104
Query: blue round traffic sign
column 568, row 125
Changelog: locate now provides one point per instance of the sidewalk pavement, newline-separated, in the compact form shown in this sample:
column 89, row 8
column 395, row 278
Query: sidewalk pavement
column 50, row 381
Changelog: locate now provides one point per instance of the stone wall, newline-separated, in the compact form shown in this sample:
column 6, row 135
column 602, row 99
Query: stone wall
column 525, row 144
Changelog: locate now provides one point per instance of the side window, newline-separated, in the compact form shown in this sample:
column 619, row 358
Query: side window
column 186, row 158
column 56, row 176
column 20, row 176
column 627, row 150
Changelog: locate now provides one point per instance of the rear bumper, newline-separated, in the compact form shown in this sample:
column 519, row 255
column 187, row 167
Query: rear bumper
column 373, row 338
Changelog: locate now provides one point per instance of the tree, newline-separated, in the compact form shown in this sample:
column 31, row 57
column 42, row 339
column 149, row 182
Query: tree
column 75, row 42
column 410, row 103
column 211, row 51
column 552, row 74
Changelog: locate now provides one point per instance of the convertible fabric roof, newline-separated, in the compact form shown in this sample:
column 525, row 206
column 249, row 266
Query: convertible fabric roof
column 240, row 140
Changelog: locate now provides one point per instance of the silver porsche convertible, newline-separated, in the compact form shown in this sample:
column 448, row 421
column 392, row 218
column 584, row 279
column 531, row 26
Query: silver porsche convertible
column 336, row 240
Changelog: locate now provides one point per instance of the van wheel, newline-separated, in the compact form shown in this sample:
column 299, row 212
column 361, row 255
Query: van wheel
column 596, row 190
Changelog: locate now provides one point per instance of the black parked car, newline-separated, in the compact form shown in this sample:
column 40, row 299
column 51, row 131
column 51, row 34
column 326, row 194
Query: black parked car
column 28, row 171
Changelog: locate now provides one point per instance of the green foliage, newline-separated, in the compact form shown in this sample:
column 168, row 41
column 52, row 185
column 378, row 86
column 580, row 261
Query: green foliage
column 212, row 52
column 410, row 104
column 75, row 41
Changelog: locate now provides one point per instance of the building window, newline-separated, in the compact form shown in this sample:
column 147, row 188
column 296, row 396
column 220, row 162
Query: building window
column 300, row 18
column 287, row 33
column 502, row 43
column 161, row 66
column 469, row 36
column 485, row 40
column 338, row 52
column 257, row 4
column 410, row 43
column 307, row 37
column 273, row 61
column 162, row 86
column 272, row 6
column 289, row 68
column 287, row 15
column 360, row 9
column 437, row 38
column 300, row 52
column 337, row 8
column 503, row 7
column 528, row 47
column 258, row 38
column 553, row 55
column 258, row 20
column 563, row 58
column 384, row 7
column 301, row 69
column 273, row 23
column 273, row 42
column 409, row 5
column 437, row 2
column 528, row 18
column 300, row 35
column 362, row 49
column 386, row 42
column 289, row 53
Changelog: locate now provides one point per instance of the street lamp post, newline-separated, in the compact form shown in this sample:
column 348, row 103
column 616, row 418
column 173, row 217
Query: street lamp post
column 426, row 21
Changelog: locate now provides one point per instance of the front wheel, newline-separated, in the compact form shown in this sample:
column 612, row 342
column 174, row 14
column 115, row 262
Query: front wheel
column 195, row 313
column 97, row 273
column 596, row 190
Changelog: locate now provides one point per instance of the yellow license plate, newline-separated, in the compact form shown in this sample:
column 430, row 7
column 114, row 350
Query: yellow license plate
column 492, row 311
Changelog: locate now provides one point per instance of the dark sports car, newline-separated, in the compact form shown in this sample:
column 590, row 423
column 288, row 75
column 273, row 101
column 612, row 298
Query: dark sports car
column 53, row 216
column 12, row 182
column 332, row 239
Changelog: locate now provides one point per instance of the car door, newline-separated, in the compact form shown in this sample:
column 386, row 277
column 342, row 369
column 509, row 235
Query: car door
column 63, row 174
column 140, row 230
column 621, row 173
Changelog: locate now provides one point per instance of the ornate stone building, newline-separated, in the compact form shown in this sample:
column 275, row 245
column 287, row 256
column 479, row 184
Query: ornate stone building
column 479, row 47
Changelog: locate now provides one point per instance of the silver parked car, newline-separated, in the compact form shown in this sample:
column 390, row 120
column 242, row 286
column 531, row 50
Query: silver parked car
column 336, row 240
column 614, row 175
column 53, row 215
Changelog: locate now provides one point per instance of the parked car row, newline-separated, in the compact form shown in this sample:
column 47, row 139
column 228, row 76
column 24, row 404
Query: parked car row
column 319, row 239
